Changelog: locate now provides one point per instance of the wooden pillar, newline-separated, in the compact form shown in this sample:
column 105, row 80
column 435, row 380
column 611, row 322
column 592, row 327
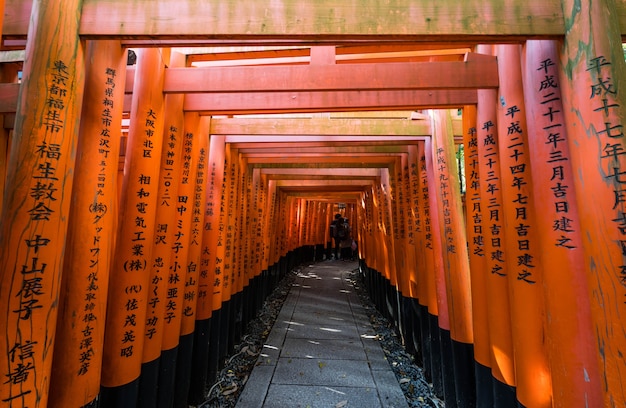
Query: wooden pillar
column 430, row 309
column 8, row 74
column 570, row 340
column 232, row 273
column 226, row 252
column 454, row 249
column 419, row 281
column 91, row 232
column 401, row 258
column 37, row 200
column 592, row 74
column 272, row 214
column 523, row 249
column 408, row 287
column 476, row 226
column 195, row 151
column 161, row 306
column 5, row 139
column 130, row 273
column 497, row 268
column 440, row 323
column 204, row 367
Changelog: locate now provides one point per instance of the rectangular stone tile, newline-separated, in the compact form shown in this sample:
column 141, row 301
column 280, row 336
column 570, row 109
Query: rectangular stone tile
column 324, row 349
column 389, row 389
column 256, row 388
column 346, row 331
column 296, row 396
column 302, row 371
column 316, row 315
column 375, row 355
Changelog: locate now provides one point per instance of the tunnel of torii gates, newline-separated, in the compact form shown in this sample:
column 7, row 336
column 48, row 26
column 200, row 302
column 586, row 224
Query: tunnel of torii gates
column 150, row 204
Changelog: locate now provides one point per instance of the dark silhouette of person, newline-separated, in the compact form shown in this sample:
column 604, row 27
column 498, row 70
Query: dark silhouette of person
column 334, row 226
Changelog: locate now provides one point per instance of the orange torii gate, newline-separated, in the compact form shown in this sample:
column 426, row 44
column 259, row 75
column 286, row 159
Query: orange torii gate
column 538, row 208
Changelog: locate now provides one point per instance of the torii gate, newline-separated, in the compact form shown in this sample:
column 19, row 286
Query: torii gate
column 552, row 97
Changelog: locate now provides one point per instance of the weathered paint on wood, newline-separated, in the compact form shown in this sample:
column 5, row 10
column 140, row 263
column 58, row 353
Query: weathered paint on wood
column 91, row 232
column 346, row 77
column 570, row 339
column 475, row 213
column 36, row 202
column 592, row 74
column 452, row 229
column 498, row 312
column 523, row 250
column 196, row 129
column 130, row 274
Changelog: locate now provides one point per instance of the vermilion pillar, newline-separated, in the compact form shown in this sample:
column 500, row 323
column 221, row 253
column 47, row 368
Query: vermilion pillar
column 439, row 322
column 456, row 262
column 163, row 298
column 592, row 72
column 419, row 275
column 91, row 231
column 497, row 269
column 195, row 150
column 475, row 215
column 37, row 201
column 570, row 340
column 523, row 251
column 208, row 316
column 130, row 273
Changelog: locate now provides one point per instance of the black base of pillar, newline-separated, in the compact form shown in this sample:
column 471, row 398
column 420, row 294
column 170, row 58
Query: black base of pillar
column 148, row 384
column 435, row 356
column 124, row 396
column 426, row 342
column 504, row 395
column 214, row 346
column 183, row 371
column 199, row 362
column 224, row 332
column 447, row 369
column 408, row 324
column 484, row 386
column 464, row 374
column 167, row 378
column 416, row 317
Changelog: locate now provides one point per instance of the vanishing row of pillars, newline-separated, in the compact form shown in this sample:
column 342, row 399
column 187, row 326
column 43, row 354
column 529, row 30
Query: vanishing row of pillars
column 524, row 278
column 142, row 287
column 132, row 293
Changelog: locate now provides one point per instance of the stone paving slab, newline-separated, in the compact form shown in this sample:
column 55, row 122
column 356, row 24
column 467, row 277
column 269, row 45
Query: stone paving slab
column 330, row 372
column 280, row 396
column 324, row 349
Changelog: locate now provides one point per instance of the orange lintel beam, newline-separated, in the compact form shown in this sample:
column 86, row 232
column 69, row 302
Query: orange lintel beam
column 377, row 76
column 323, row 183
column 337, row 161
column 327, row 140
column 320, row 126
column 323, row 157
column 305, row 101
column 344, row 172
column 347, row 53
column 297, row 150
